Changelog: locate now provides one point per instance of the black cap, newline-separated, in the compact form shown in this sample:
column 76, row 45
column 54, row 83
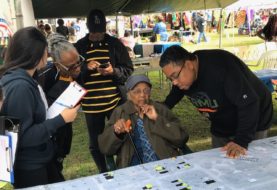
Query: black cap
column 96, row 21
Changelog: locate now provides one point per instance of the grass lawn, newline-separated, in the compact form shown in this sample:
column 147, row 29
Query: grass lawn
column 79, row 162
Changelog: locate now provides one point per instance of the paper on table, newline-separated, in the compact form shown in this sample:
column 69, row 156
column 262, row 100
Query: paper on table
column 6, row 169
column 68, row 99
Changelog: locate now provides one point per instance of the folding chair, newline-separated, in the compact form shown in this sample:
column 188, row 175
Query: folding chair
column 268, row 60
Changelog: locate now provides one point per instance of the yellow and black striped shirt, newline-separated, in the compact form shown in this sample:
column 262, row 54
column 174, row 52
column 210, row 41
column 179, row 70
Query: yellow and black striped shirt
column 103, row 94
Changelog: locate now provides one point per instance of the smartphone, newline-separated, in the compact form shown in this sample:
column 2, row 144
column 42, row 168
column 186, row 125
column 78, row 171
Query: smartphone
column 104, row 65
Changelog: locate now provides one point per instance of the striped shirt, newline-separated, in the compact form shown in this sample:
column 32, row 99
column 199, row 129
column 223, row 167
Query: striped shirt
column 103, row 94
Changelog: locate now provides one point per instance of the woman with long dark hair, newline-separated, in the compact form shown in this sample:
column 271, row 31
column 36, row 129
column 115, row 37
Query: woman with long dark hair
column 24, row 99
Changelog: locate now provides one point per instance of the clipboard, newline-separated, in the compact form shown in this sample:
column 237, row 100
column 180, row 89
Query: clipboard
column 9, row 128
column 6, row 171
column 68, row 99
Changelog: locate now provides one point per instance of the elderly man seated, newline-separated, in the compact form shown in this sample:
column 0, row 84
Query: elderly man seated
column 142, row 130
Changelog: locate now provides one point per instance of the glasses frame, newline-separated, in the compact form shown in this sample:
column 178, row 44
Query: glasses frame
column 73, row 67
column 175, row 78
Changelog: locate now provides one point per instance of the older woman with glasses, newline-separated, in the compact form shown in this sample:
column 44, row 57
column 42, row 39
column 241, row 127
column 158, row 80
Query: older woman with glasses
column 54, row 80
column 142, row 130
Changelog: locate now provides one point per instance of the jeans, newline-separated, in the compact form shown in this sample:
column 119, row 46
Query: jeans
column 201, row 35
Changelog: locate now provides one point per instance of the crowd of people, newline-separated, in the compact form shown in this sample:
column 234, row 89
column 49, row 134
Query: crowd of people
column 138, row 129
column 72, row 30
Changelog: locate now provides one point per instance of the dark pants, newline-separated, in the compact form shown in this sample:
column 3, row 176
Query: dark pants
column 62, row 141
column 96, row 125
column 41, row 176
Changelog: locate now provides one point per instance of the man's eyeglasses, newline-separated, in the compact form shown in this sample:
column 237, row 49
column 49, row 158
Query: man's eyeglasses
column 74, row 66
column 145, row 91
column 175, row 77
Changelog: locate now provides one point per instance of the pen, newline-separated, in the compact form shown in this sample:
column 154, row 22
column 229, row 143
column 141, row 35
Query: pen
column 61, row 104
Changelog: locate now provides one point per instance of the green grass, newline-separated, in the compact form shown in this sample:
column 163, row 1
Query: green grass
column 79, row 162
column 227, row 42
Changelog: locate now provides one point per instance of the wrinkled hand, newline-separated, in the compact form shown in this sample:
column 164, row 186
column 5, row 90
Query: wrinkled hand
column 92, row 65
column 69, row 114
column 149, row 111
column 121, row 126
column 234, row 150
column 106, row 71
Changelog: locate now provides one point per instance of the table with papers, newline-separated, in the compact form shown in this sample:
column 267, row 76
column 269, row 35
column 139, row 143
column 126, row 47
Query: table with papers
column 205, row 170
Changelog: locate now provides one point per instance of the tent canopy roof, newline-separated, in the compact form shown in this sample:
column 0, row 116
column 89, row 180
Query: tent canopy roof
column 80, row 8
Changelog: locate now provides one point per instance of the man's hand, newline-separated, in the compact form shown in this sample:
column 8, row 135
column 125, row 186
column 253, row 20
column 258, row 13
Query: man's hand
column 149, row 111
column 105, row 71
column 234, row 150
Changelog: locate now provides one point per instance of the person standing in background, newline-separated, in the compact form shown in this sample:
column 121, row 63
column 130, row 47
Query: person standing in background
column 200, row 24
column 111, row 65
column 160, row 29
column 48, row 30
column 61, row 29
column 72, row 33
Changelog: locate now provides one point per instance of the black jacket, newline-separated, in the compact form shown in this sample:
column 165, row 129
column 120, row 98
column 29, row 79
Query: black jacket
column 236, row 102
column 23, row 101
column 53, row 88
column 119, row 57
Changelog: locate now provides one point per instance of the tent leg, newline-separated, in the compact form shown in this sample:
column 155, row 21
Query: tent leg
column 221, row 28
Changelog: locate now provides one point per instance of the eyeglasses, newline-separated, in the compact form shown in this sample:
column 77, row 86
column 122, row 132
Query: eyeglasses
column 74, row 66
column 145, row 91
column 175, row 77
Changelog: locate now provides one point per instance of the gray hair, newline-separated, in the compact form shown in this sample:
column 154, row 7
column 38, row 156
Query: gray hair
column 58, row 44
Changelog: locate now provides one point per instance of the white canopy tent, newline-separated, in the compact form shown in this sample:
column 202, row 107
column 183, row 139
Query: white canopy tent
column 252, row 4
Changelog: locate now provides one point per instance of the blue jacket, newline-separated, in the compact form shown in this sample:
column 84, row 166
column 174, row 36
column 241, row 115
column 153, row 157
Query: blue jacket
column 160, row 28
column 23, row 101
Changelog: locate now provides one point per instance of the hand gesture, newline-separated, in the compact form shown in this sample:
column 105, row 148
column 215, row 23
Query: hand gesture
column 149, row 111
column 234, row 150
column 122, row 126
column 92, row 65
column 105, row 71
column 69, row 114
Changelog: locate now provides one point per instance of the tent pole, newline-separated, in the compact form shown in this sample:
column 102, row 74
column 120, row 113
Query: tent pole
column 233, row 28
column 131, row 26
column 116, row 24
column 220, row 37
column 248, row 20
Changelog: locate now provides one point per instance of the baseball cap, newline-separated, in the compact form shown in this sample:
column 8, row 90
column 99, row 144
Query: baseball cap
column 96, row 21
column 133, row 80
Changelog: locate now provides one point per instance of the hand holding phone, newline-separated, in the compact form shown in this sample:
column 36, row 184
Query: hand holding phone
column 104, row 65
column 105, row 69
